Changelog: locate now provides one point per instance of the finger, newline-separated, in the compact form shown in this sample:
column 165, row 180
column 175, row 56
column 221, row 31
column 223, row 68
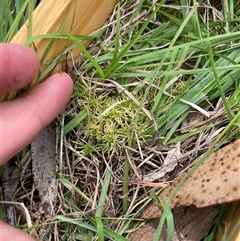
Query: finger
column 18, row 66
column 23, row 118
column 9, row 233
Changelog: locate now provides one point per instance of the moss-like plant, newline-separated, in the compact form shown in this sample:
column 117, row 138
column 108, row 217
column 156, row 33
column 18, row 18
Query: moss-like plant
column 112, row 118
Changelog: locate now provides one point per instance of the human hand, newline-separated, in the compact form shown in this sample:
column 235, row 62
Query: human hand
column 22, row 119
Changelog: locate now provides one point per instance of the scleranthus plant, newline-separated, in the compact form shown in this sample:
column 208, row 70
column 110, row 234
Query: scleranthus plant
column 113, row 119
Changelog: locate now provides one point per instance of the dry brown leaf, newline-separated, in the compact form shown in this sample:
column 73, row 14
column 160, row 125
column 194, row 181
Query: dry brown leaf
column 147, row 232
column 215, row 181
column 191, row 224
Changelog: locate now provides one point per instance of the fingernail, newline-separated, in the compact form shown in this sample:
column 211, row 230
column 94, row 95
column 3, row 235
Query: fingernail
column 55, row 75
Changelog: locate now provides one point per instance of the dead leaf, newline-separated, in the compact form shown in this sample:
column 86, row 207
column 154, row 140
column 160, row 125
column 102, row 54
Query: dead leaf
column 170, row 162
column 215, row 181
column 191, row 224
column 43, row 150
column 147, row 232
